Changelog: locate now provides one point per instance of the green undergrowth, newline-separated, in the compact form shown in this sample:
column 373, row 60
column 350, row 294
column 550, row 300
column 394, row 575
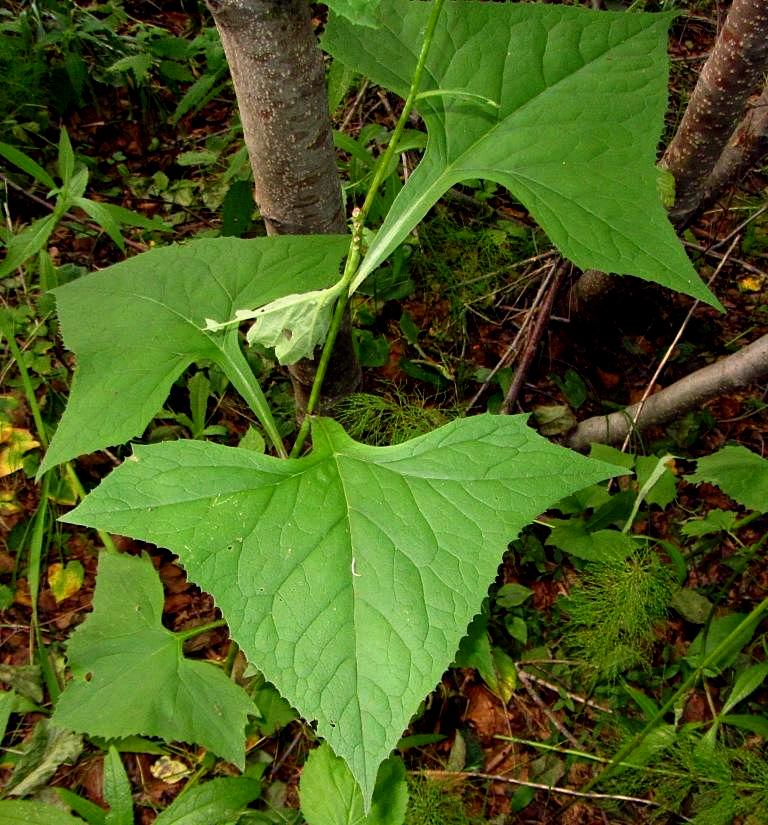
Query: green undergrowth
column 612, row 623
column 380, row 420
column 470, row 265
column 615, row 612
column 432, row 802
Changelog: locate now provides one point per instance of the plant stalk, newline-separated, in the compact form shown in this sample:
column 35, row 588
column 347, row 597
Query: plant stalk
column 236, row 368
column 358, row 222
column 620, row 758
column 191, row 632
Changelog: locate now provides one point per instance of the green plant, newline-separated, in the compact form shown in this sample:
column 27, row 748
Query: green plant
column 349, row 574
column 432, row 802
column 212, row 803
column 50, row 56
column 74, row 180
column 613, row 612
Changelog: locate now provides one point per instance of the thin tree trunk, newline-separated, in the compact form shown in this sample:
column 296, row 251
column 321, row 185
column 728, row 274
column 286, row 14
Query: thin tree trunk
column 279, row 80
column 747, row 146
column 731, row 74
column 732, row 372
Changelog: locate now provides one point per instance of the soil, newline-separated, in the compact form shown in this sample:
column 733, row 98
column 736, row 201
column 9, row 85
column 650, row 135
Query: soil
column 614, row 349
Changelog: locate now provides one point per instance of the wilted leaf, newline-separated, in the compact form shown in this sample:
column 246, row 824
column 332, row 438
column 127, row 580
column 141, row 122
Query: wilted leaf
column 14, row 442
column 294, row 325
column 25, row 679
column 169, row 770
column 49, row 747
column 65, row 579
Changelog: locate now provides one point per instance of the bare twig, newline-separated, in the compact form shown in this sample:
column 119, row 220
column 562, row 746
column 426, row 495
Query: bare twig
column 355, row 103
column 556, row 689
column 541, row 704
column 732, row 372
column 711, row 253
column 668, row 354
column 542, row 318
column 511, row 351
column 537, row 786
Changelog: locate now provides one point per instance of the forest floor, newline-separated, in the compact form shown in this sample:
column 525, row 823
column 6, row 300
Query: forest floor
column 429, row 335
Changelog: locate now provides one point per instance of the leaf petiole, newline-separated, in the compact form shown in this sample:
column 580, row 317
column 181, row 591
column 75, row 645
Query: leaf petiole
column 236, row 368
column 458, row 93
column 358, row 222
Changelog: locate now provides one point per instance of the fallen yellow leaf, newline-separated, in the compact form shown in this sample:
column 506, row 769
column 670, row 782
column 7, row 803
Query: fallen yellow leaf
column 16, row 441
column 8, row 503
column 751, row 283
column 65, row 580
column 169, row 770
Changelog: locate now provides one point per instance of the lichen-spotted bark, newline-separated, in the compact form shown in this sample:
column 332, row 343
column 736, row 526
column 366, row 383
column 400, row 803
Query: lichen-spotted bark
column 734, row 68
column 279, row 80
column 747, row 145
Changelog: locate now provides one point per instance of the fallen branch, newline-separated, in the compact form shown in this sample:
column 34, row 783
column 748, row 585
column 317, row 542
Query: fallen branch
column 540, row 786
column 730, row 373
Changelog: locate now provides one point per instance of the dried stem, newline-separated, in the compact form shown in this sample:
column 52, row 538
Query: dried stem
column 558, row 272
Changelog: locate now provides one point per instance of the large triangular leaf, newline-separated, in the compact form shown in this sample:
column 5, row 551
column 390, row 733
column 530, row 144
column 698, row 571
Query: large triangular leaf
column 137, row 325
column 123, row 659
column 349, row 576
column 579, row 104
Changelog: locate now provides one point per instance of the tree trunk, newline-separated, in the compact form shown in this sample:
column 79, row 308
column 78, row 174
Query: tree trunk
column 730, row 75
column 279, row 80
column 747, row 146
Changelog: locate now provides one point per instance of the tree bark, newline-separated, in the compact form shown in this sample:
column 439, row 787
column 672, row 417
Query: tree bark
column 730, row 75
column 747, row 146
column 279, row 81
column 732, row 372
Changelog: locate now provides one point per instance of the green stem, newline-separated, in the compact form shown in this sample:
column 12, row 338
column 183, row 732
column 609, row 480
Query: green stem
column 26, row 382
column 625, row 751
column 42, row 436
column 358, row 222
column 590, row 757
column 236, row 368
column 191, row 632
column 34, row 563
